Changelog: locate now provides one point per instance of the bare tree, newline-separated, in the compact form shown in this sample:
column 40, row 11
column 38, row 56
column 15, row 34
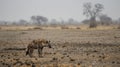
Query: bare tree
column 39, row 19
column 22, row 22
column 119, row 20
column 71, row 21
column 86, row 21
column 54, row 22
column 92, row 12
column 4, row 23
column 105, row 20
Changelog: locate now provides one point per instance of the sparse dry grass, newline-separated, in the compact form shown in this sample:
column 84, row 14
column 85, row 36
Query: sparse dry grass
column 81, row 27
column 75, row 46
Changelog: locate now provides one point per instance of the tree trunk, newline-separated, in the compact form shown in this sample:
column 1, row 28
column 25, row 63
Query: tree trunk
column 93, row 23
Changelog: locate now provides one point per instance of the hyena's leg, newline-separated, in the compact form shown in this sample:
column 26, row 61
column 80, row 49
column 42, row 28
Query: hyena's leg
column 31, row 52
column 40, row 52
column 27, row 51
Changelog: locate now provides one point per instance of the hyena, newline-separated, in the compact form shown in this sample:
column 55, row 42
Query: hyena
column 37, row 44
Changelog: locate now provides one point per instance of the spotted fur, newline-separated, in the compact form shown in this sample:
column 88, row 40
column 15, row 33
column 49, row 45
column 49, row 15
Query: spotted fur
column 37, row 44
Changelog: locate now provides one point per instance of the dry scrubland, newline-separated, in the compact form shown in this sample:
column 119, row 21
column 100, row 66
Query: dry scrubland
column 73, row 46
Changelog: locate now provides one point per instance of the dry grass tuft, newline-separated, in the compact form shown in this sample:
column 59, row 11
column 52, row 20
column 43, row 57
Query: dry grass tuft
column 64, row 27
column 71, row 59
column 0, row 28
column 54, row 59
column 23, row 33
column 118, row 27
column 78, row 28
column 38, row 28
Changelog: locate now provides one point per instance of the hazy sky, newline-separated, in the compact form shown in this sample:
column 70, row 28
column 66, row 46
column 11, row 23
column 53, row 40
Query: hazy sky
column 14, row 10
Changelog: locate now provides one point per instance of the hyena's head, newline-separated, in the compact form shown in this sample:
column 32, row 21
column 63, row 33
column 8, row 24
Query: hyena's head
column 35, row 41
column 48, row 44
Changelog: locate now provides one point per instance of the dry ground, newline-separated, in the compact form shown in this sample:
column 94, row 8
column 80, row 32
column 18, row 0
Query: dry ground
column 72, row 47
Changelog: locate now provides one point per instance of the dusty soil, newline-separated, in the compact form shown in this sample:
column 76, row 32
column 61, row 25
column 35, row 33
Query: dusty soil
column 71, row 48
